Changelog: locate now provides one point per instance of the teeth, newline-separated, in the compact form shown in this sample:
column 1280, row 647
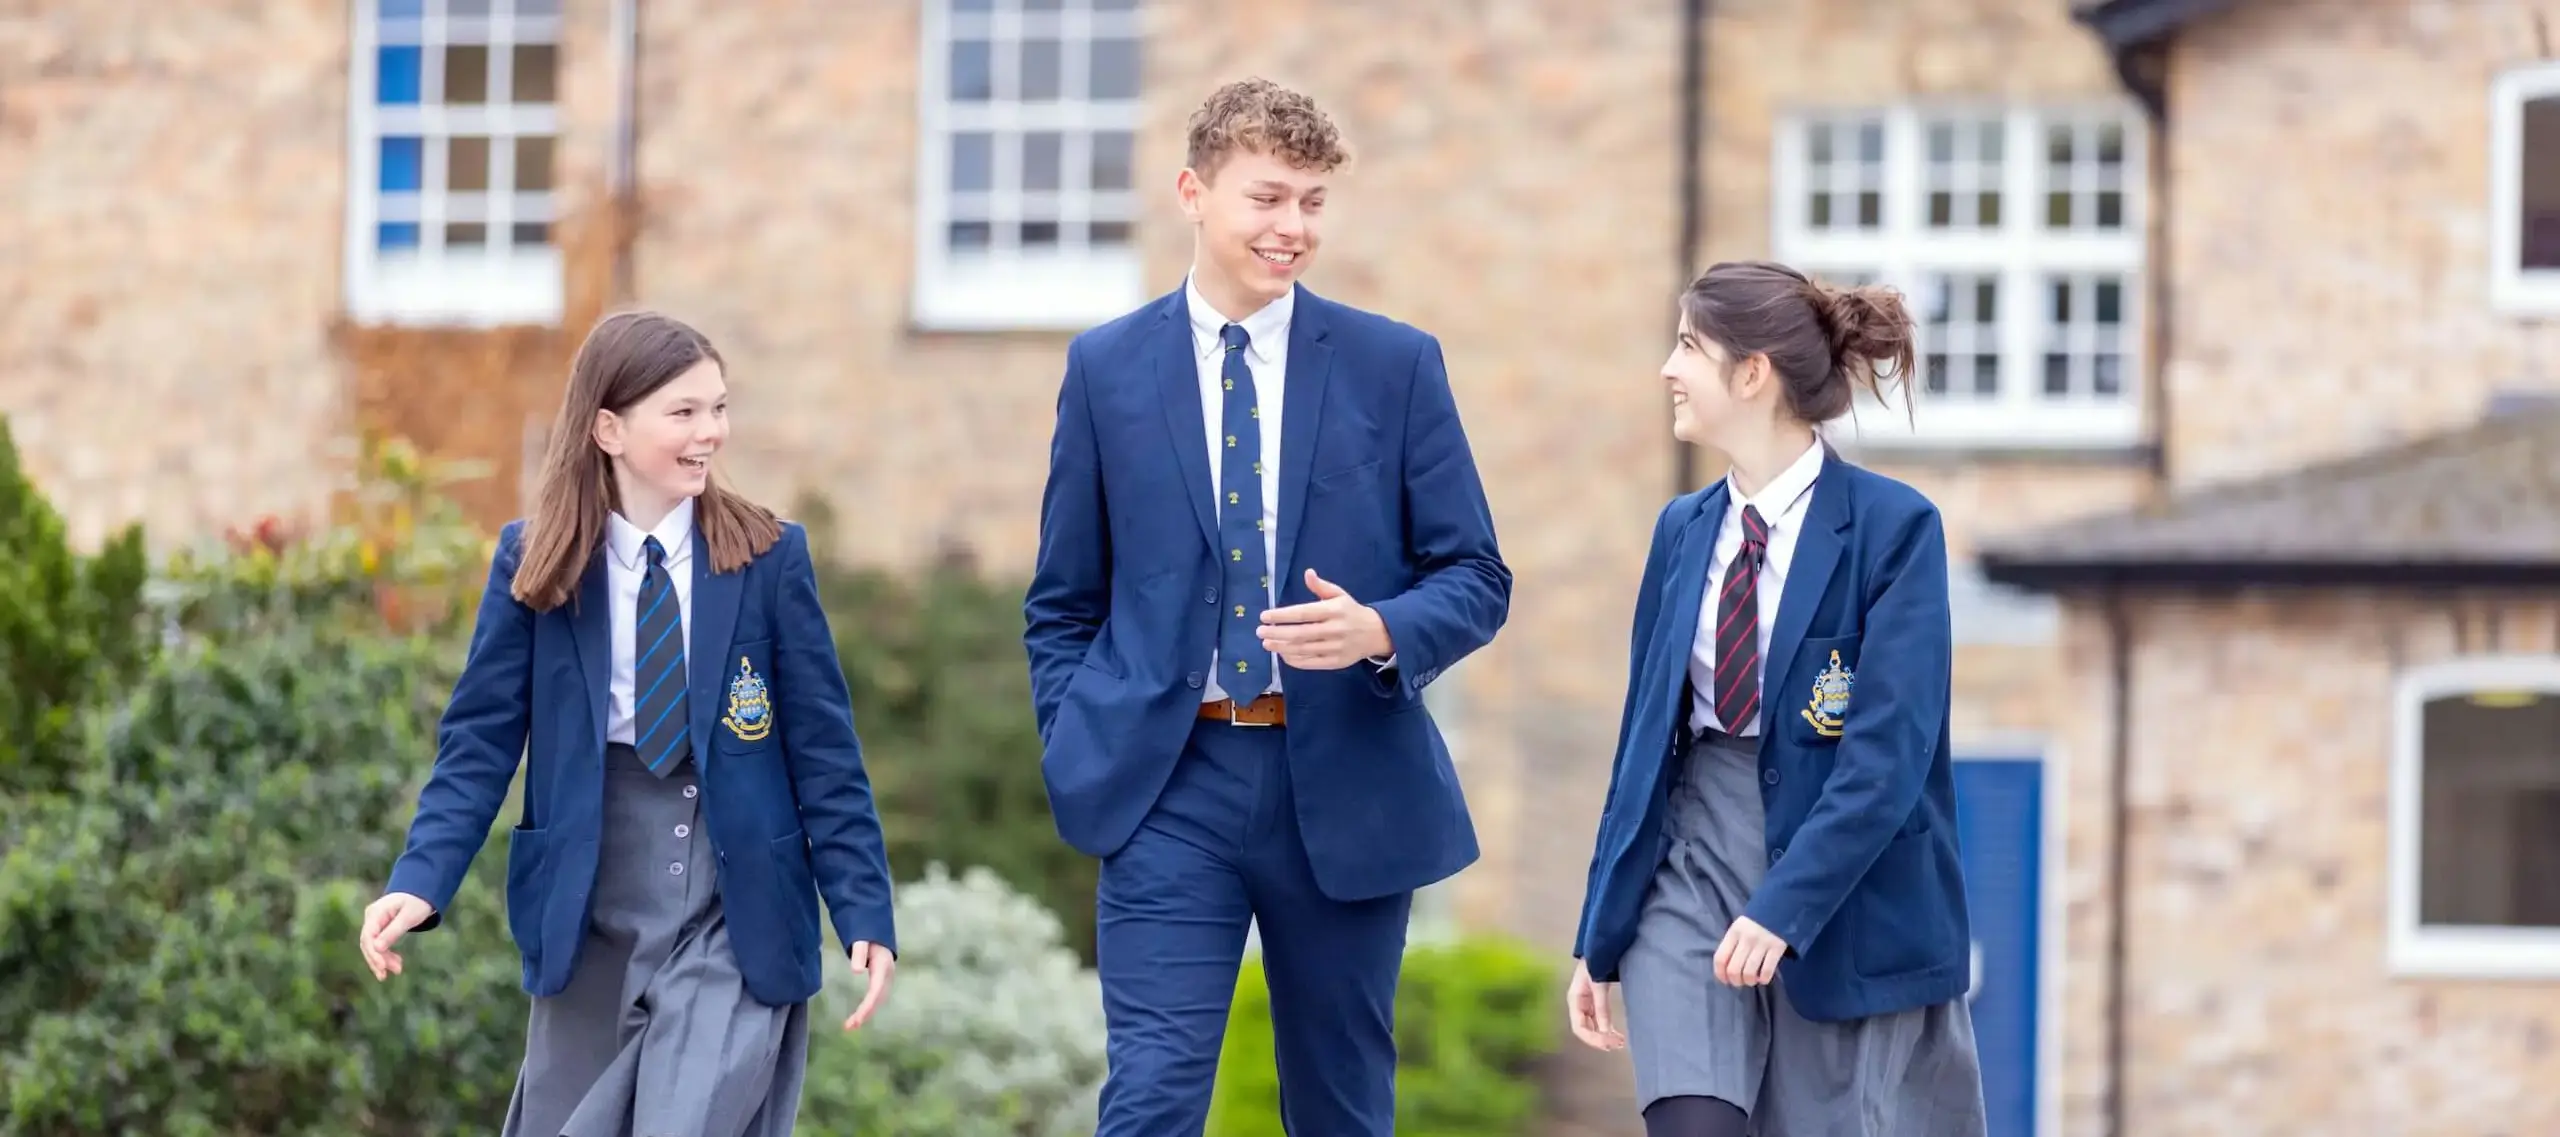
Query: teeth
column 1278, row 258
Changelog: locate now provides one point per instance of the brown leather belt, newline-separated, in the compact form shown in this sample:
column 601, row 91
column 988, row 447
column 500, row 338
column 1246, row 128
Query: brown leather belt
column 1265, row 711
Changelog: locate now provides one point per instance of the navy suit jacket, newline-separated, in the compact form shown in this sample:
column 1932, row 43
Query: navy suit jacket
column 1864, row 883
column 1378, row 494
column 790, row 814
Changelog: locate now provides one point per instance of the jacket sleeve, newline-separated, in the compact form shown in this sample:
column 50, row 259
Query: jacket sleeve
column 846, row 846
column 1462, row 592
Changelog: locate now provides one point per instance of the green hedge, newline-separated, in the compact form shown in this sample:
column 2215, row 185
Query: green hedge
column 1471, row 1015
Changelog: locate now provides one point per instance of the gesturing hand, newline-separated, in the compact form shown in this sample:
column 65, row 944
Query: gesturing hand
column 1749, row 955
column 876, row 966
column 1333, row 631
column 385, row 921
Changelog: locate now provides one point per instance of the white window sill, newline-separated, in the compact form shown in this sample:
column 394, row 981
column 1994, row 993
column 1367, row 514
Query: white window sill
column 2533, row 292
column 1936, row 426
column 1028, row 293
column 523, row 286
column 2481, row 953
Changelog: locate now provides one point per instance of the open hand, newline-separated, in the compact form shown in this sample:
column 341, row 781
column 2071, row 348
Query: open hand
column 1749, row 955
column 1332, row 632
column 1586, row 1010
column 877, row 966
column 385, row 921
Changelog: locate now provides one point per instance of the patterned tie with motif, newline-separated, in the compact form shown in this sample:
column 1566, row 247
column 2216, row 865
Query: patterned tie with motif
column 1737, row 691
column 657, row 673
column 1244, row 668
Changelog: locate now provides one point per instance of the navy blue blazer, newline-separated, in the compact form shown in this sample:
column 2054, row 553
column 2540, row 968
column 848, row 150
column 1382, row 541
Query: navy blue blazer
column 788, row 810
column 1856, row 770
column 1378, row 494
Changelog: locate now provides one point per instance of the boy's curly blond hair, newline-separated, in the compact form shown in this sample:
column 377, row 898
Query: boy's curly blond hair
column 1264, row 117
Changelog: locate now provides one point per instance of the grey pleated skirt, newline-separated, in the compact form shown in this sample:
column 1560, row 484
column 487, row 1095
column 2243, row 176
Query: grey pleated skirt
column 656, row 1034
column 1909, row 1074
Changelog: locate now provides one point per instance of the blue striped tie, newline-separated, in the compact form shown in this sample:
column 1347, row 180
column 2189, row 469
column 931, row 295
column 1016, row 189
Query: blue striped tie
column 658, row 669
column 1244, row 668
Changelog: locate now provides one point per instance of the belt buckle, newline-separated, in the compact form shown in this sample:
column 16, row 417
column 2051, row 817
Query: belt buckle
column 1235, row 705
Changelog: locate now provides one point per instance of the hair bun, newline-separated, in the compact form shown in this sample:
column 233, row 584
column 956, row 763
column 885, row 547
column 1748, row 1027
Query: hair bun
column 1868, row 326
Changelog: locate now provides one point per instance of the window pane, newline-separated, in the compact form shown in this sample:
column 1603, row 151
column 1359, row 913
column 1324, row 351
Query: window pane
column 396, row 235
column 2540, row 196
column 466, row 234
column 973, row 5
column 466, row 7
column 1042, row 61
column 968, row 235
column 1110, row 233
column 531, row 234
column 972, row 71
column 466, row 73
column 1115, row 69
column 2490, row 810
column 1039, row 234
column 537, row 74
column 533, row 163
column 1115, row 5
column 1043, row 159
column 396, row 71
column 403, row 164
column 1114, row 160
column 466, row 164
column 403, row 9
column 973, row 161
column 537, row 7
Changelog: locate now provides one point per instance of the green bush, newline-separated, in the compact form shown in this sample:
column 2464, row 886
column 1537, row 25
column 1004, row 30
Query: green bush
column 70, row 631
column 992, row 1028
column 1470, row 1017
column 942, row 695
column 178, row 939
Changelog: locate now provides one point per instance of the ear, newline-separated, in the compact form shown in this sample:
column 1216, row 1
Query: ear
column 1758, row 374
column 1188, row 189
column 608, row 432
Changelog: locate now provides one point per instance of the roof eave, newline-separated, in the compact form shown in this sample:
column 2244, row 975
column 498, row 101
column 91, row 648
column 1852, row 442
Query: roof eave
column 2066, row 574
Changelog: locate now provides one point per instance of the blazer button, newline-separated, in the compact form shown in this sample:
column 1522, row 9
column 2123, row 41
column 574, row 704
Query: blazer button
column 1208, row 596
column 1769, row 776
column 1195, row 679
column 1776, row 853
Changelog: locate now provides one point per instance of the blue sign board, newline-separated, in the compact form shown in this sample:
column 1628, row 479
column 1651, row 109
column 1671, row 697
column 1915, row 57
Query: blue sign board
column 2000, row 821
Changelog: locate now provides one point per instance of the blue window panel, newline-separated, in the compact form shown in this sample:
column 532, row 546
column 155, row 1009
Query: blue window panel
column 396, row 73
column 403, row 164
column 2000, row 827
column 403, row 9
column 396, row 235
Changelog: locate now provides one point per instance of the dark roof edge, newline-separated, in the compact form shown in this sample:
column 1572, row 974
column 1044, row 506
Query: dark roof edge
column 2051, row 574
column 2128, row 24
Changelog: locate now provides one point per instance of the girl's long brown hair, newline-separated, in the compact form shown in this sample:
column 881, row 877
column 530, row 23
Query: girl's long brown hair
column 625, row 359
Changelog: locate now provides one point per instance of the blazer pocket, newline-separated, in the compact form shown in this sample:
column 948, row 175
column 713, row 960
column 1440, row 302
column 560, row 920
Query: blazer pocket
column 1820, row 700
column 746, row 703
column 1336, row 481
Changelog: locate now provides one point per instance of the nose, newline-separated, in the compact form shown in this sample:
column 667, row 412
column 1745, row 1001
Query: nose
column 1292, row 223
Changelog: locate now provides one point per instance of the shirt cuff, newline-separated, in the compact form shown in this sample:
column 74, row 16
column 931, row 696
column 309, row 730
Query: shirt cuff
column 1383, row 664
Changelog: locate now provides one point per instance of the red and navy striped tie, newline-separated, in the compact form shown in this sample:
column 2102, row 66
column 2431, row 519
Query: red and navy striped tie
column 1737, row 691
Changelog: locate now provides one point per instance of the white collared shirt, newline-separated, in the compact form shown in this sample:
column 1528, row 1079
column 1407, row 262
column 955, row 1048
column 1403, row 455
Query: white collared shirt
column 625, row 563
column 1782, row 504
column 1267, row 356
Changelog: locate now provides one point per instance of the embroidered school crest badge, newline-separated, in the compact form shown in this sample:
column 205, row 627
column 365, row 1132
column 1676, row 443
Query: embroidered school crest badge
column 750, row 715
column 1830, row 698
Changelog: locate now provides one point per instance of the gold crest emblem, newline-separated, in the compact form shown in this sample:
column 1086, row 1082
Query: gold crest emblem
column 750, row 716
column 1830, row 698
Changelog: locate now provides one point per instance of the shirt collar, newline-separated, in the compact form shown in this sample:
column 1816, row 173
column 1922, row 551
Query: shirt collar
column 1269, row 328
column 675, row 533
column 1782, row 491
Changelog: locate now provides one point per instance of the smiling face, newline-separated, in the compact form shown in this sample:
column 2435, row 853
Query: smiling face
column 661, row 445
column 1257, row 223
column 1712, row 395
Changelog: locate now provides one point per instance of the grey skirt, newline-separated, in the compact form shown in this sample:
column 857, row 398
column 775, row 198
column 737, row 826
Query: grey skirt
column 656, row 1033
column 1909, row 1074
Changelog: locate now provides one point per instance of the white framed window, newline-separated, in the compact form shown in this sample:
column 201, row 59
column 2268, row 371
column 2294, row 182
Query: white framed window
column 453, row 125
column 1027, row 181
column 2524, row 190
column 2475, row 820
column 2017, row 235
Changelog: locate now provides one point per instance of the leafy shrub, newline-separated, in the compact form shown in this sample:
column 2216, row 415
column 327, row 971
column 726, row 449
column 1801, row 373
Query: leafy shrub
column 70, row 629
column 992, row 1028
column 942, row 694
column 1471, row 1015
column 178, row 938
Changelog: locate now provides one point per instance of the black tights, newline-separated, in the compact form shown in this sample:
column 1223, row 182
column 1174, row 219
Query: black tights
column 1693, row 1117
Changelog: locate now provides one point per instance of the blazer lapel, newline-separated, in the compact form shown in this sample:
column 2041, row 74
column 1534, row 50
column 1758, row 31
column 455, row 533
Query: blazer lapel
column 706, row 649
column 1692, row 548
column 591, row 627
column 1808, row 575
column 1178, row 376
column 1301, row 415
